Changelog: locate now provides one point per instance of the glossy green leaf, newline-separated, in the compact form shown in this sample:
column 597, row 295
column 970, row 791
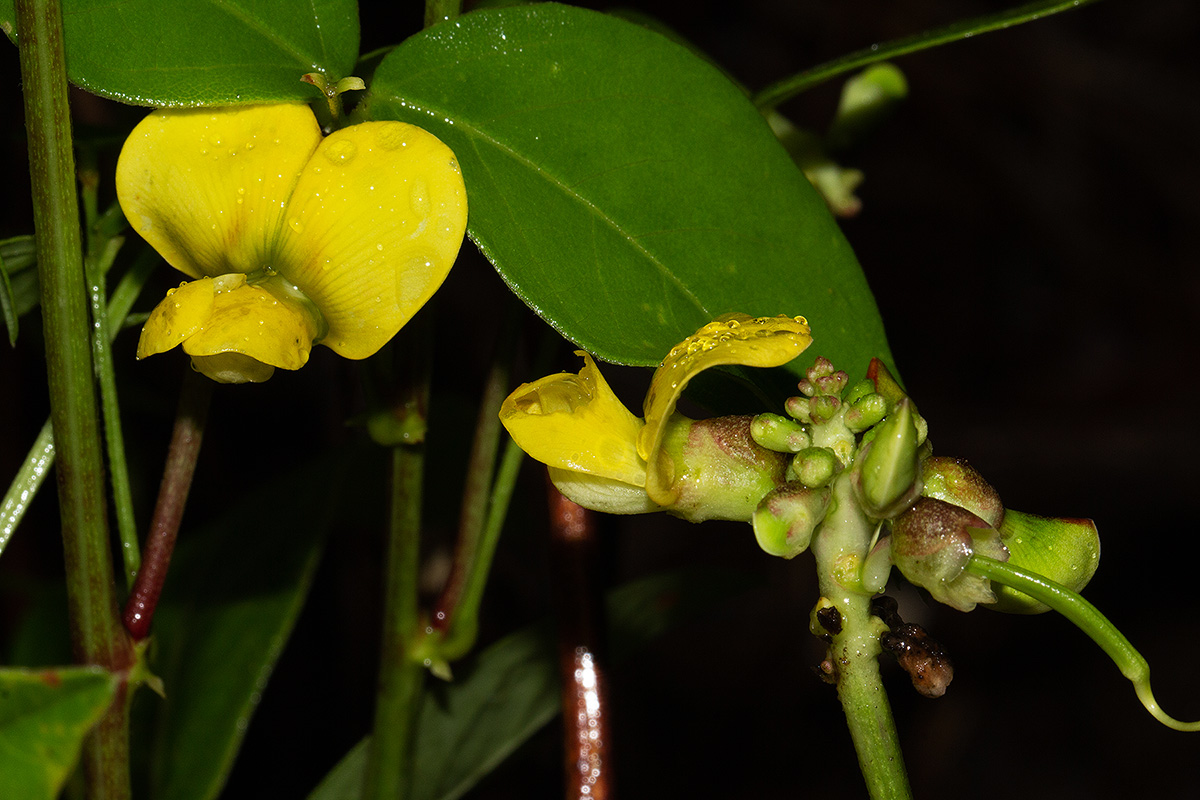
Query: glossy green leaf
column 44, row 715
column 624, row 188
column 204, row 52
column 511, row 689
column 234, row 593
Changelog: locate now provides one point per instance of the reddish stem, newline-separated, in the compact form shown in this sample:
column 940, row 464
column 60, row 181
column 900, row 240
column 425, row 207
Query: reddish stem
column 587, row 735
column 190, row 417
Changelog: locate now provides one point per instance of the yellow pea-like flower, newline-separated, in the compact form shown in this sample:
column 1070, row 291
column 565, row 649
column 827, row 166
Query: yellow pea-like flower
column 293, row 238
column 602, row 456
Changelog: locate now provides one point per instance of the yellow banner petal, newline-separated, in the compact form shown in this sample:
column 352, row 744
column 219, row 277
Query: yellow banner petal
column 372, row 229
column 730, row 339
column 575, row 422
column 208, row 188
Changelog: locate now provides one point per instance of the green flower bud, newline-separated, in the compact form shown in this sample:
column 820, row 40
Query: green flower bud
column 865, row 412
column 779, row 433
column 814, row 467
column 885, row 473
column 957, row 482
column 720, row 471
column 797, row 408
column 823, row 408
column 786, row 518
column 1066, row 551
column 931, row 543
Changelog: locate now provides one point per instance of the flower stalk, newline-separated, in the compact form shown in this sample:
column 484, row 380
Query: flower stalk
column 96, row 633
column 194, row 399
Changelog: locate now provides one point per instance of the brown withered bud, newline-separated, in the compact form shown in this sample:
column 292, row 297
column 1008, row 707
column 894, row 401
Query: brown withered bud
column 921, row 657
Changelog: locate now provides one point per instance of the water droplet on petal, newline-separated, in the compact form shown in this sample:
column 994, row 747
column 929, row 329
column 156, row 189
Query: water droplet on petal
column 341, row 152
column 419, row 199
column 296, row 225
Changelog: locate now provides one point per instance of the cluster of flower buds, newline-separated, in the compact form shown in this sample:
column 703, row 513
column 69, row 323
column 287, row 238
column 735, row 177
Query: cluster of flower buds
column 932, row 513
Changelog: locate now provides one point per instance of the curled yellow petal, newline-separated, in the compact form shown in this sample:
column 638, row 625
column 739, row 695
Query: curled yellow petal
column 208, row 188
column 730, row 339
column 182, row 313
column 576, row 423
column 372, row 229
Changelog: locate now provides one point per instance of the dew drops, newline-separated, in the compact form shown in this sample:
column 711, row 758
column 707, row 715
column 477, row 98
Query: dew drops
column 341, row 152
column 296, row 225
column 419, row 198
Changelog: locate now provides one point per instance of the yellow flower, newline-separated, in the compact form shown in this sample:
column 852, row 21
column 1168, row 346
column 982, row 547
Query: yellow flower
column 293, row 238
column 603, row 457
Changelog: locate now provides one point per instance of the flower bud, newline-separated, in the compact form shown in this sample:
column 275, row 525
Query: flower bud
column 885, row 473
column 957, row 482
column 1066, row 551
column 814, row 467
column 720, row 472
column 779, row 433
column 865, row 412
column 786, row 518
column 931, row 544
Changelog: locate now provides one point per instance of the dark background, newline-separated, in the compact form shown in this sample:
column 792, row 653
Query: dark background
column 1029, row 221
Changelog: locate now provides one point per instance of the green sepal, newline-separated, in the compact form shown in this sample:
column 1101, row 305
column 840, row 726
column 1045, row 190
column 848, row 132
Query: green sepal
column 1067, row 551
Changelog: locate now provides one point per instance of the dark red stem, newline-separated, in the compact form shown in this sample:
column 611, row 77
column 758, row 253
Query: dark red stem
column 194, row 400
column 582, row 661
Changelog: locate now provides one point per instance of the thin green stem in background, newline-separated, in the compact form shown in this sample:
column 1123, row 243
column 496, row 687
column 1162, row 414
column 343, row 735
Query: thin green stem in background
column 789, row 87
column 457, row 611
column 1088, row 619
column 96, row 634
column 401, row 671
column 441, row 10
column 40, row 458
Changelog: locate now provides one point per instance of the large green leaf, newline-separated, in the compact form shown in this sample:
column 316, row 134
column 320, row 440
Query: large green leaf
column 511, row 689
column 44, row 715
column 234, row 593
column 624, row 188
column 204, row 52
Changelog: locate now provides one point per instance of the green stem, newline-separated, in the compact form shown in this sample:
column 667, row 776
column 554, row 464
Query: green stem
column 457, row 611
column 96, row 633
column 40, row 458
column 1088, row 619
column 401, row 670
column 789, row 87
column 841, row 541
column 441, row 10
column 25, row 486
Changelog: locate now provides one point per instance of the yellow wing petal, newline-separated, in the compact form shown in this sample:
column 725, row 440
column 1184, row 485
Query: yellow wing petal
column 730, row 339
column 207, row 188
column 575, row 422
column 183, row 312
column 372, row 229
column 265, row 325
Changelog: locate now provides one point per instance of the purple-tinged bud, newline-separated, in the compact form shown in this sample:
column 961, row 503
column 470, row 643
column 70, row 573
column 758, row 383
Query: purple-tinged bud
column 823, row 408
column 786, row 518
column 814, row 467
column 885, row 473
column 1066, row 551
column 957, row 482
column 822, row 379
column 931, row 544
column 885, row 384
column 720, row 471
column 779, row 433
column 797, row 408
column 865, row 412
